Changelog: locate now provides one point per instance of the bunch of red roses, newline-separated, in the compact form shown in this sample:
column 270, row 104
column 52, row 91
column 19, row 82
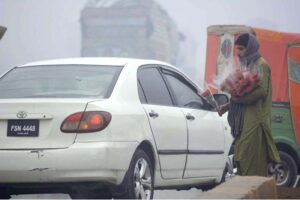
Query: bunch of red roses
column 240, row 83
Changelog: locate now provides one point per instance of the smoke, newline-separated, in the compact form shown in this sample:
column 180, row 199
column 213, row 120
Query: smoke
column 225, row 69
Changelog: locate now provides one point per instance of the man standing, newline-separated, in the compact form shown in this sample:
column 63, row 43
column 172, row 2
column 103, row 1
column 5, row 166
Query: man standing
column 250, row 115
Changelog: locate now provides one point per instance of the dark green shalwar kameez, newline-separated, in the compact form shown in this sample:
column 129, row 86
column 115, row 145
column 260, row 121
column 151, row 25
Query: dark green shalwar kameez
column 255, row 147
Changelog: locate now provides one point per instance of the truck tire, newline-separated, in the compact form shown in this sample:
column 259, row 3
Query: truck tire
column 285, row 171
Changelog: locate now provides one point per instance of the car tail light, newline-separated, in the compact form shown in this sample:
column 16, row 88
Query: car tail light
column 86, row 122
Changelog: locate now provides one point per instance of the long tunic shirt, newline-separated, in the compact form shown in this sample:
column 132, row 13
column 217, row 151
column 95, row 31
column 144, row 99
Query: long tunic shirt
column 255, row 147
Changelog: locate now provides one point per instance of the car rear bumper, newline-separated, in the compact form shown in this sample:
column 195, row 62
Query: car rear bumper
column 105, row 162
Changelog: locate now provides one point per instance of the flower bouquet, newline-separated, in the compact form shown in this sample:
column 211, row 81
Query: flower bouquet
column 240, row 83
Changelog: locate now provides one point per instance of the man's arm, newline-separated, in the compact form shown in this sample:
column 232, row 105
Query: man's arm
column 223, row 109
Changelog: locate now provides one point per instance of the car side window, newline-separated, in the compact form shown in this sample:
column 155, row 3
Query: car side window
column 185, row 94
column 154, row 87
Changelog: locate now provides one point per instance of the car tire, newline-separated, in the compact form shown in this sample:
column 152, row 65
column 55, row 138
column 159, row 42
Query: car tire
column 139, row 179
column 285, row 171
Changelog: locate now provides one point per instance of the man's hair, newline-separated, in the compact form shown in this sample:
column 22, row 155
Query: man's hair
column 242, row 40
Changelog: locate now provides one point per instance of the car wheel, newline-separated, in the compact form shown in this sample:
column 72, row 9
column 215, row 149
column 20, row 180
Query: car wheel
column 285, row 172
column 138, row 182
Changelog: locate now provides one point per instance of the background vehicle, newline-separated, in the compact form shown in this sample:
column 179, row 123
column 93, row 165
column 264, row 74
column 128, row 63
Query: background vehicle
column 282, row 52
column 102, row 127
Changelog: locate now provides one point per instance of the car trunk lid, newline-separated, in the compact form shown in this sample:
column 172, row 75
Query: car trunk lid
column 35, row 123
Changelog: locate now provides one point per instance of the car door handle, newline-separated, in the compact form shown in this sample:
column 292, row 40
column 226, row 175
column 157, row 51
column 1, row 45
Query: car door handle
column 189, row 117
column 153, row 114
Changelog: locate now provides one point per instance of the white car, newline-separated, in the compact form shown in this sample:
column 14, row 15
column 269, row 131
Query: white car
column 103, row 127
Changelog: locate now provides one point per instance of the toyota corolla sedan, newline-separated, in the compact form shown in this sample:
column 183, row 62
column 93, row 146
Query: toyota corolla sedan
column 107, row 127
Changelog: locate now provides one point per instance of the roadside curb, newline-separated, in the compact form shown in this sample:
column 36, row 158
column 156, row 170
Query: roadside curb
column 244, row 187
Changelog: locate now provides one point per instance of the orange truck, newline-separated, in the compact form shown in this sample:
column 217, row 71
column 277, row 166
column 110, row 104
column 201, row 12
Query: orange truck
column 282, row 52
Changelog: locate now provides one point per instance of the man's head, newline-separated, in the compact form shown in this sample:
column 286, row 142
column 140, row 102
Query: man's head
column 247, row 48
column 241, row 44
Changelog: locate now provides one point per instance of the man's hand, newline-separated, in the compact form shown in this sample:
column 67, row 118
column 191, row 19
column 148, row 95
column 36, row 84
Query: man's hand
column 222, row 109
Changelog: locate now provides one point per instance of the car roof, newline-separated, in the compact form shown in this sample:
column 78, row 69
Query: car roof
column 112, row 61
column 108, row 61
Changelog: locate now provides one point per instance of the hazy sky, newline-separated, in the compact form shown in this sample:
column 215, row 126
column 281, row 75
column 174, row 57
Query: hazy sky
column 47, row 29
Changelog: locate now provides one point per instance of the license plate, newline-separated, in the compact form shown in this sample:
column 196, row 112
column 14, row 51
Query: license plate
column 23, row 128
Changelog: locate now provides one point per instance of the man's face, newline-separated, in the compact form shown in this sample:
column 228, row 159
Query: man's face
column 241, row 50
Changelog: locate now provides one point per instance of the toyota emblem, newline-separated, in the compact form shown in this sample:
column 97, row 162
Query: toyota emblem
column 22, row 114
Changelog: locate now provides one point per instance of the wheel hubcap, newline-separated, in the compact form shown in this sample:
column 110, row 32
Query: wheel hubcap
column 142, row 180
column 280, row 171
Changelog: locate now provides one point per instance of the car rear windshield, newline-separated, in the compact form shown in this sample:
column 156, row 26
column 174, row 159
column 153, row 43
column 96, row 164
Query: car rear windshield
column 59, row 81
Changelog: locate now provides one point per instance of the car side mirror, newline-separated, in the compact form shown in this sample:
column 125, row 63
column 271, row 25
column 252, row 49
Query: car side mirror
column 221, row 99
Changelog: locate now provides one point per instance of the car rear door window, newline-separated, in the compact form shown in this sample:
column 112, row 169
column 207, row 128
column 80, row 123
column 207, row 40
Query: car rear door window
column 154, row 87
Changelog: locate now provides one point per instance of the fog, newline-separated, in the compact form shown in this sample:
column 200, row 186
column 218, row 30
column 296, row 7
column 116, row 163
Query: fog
column 48, row 29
